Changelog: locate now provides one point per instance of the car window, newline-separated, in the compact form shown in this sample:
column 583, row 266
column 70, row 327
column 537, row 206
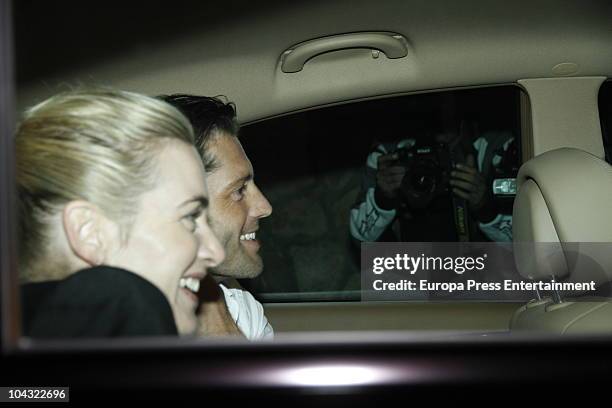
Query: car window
column 312, row 165
column 605, row 116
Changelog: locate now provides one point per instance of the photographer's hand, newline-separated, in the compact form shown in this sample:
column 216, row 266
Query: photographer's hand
column 389, row 178
column 467, row 183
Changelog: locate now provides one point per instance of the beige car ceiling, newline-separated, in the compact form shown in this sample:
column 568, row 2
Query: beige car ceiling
column 450, row 44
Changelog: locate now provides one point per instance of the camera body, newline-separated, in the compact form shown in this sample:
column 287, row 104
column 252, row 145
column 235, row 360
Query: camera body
column 428, row 168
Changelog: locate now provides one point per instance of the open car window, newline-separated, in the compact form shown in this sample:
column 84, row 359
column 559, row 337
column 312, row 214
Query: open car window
column 312, row 166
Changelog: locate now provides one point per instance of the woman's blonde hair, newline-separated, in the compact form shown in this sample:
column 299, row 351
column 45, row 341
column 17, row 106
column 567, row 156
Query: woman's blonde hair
column 96, row 145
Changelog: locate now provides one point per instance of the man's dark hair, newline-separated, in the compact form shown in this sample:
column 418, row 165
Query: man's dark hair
column 207, row 115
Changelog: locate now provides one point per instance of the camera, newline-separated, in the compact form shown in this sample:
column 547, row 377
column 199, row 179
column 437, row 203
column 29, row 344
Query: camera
column 428, row 169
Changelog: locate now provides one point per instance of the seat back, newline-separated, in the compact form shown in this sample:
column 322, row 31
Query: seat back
column 562, row 228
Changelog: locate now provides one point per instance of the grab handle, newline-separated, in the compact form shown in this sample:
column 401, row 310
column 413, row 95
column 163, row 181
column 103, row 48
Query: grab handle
column 393, row 45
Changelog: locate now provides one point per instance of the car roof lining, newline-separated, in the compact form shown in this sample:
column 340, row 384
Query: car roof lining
column 451, row 44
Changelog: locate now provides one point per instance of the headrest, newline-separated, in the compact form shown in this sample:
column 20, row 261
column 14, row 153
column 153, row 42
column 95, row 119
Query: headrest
column 564, row 201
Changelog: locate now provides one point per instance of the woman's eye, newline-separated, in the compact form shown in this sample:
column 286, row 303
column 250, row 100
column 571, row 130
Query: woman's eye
column 192, row 220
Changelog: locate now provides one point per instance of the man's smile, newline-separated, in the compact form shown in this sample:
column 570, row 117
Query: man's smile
column 248, row 237
column 250, row 241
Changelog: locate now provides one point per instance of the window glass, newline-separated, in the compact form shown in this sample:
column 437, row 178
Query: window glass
column 316, row 169
column 605, row 116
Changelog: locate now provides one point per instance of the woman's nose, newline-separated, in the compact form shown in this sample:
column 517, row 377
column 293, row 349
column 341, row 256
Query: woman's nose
column 211, row 250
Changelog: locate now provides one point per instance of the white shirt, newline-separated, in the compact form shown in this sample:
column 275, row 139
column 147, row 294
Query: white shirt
column 248, row 314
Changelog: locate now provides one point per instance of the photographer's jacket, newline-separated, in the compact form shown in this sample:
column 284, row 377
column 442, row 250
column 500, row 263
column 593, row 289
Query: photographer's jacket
column 368, row 222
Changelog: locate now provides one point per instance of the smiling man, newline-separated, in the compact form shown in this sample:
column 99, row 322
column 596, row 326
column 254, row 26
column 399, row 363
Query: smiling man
column 236, row 207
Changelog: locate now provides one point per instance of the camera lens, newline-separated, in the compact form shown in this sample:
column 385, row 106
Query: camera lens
column 423, row 183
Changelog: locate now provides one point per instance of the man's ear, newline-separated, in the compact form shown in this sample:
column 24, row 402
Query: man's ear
column 86, row 231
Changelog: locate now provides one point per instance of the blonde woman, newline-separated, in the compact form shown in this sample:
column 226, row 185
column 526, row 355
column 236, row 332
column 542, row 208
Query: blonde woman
column 113, row 228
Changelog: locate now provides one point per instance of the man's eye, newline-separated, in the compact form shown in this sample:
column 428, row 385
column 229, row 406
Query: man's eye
column 239, row 194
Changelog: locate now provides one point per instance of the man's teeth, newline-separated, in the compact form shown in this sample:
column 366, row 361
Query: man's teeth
column 192, row 284
column 247, row 237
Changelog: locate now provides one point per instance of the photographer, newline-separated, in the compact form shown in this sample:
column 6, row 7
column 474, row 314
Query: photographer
column 438, row 190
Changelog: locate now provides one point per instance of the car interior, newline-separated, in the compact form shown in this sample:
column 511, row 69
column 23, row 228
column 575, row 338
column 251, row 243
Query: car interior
column 546, row 211
column 288, row 66
column 317, row 83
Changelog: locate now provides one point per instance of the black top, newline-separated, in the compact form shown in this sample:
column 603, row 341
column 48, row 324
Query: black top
column 96, row 302
column 436, row 224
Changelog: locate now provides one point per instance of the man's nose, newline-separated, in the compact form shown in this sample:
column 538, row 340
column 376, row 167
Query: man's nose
column 260, row 207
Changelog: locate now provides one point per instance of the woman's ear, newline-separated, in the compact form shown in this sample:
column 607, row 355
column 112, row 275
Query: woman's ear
column 87, row 232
